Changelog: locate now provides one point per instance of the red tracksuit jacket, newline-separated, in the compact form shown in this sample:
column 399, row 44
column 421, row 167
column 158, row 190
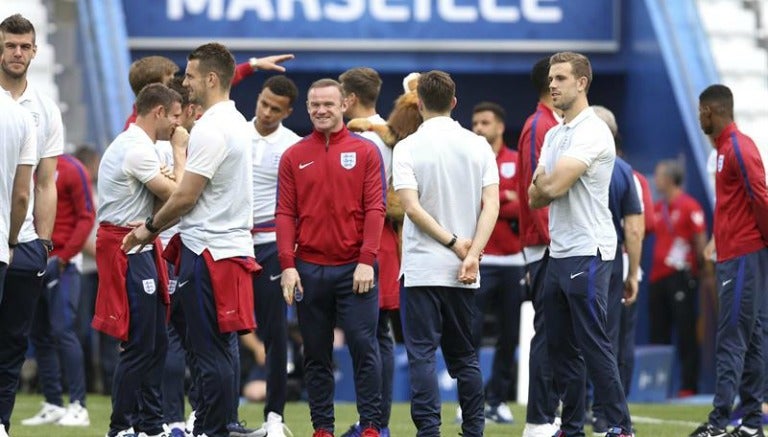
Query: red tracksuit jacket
column 75, row 214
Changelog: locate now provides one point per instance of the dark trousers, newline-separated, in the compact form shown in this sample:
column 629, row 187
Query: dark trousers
column 575, row 294
column 739, row 357
column 442, row 316
column 212, row 350
column 672, row 306
column 175, row 359
column 23, row 287
column 626, row 355
column 542, row 398
column 386, row 342
column 3, row 269
column 328, row 302
column 614, row 307
column 136, row 389
column 54, row 335
column 272, row 326
column 500, row 288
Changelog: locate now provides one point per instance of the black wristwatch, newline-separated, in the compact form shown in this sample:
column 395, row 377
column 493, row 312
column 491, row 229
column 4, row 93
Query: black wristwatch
column 452, row 242
column 148, row 224
column 13, row 245
column 48, row 245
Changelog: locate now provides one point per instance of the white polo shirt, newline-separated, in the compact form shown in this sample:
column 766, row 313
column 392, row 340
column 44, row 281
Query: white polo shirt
column 164, row 151
column 449, row 166
column 386, row 151
column 128, row 163
column 580, row 222
column 267, row 151
column 50, row 143
column 220, row 150
column 19, row 139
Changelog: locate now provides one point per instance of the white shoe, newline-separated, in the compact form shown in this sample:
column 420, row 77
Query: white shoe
column 48, row 414
column 459, row 417
column 191, row 423
column 543, row 430
column 275, row 427
column 124, row 433
column 2, row 431
column 76, row 415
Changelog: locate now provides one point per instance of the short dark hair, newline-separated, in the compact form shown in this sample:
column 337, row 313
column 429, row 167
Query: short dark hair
column 719, row 95
column 176, row 84
column 580, row 65
column 540, row 76
column 436, row 90
column 364, row 82
column 153, row 95
column 674, row 170
column 150, row 69
column 16, row 24
column 326, row 82
column 282, row 86
column 216, row 58
column 495, row 108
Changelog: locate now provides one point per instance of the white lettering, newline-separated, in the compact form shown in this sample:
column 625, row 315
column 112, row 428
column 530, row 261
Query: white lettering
column 262, row 8
column 176, row 8
column 493, row 13
column 381, row 11
column 422, row 10
column 535, row 12
column 285, row 10
column 451, row 12
column 351, row 11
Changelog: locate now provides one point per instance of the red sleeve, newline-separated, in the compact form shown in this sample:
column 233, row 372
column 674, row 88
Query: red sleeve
column 649, row 209
column 508, row 209
column 696, row 217
column 286, row 214
column 241, row 72
column 375, row 204
column 753, row 179
column 79, row 188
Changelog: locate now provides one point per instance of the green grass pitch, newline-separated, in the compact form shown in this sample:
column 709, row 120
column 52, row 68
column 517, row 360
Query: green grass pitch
column 652, row 420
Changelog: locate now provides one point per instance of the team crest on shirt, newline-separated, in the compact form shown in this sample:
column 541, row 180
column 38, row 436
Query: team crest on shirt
column 507, row 169
column 720, row 159
column 149, row 286
column 172, row 286
column 348, row 160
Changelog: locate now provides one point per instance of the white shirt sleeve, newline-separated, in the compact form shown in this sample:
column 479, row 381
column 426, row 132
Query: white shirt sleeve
column 589, row 145
column 207, row 150
column 54, row 142
column 490, row 168
column 403, row 175
column 28, row 151
column 141, row 163
column 545, row 150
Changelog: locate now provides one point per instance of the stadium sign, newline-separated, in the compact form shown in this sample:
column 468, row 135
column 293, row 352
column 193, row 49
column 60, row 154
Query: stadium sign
column 377, row 25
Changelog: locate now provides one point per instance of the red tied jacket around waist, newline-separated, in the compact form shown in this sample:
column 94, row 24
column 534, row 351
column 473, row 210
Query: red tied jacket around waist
column 232, row 283
column 112, row 313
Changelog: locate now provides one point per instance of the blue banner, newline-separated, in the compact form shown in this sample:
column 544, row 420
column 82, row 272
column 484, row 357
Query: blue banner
column 376, row 25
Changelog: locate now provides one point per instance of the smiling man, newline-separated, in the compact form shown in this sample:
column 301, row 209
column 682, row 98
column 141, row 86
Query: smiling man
column 573, row 177
column 330, row 213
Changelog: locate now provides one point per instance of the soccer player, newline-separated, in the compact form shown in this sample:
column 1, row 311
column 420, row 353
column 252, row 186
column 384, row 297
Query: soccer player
column 572, row 177
column 133, row 287
column 24, row 278
column 269, row 140
column 18, row 156
column 626, row 208
column 361, row 91
column 681, row 235
column 330, row 213
column 501, row 267
column 213, row 252
column 534, row 237
column 448, row 222
column 54, row 333
column 740, row 237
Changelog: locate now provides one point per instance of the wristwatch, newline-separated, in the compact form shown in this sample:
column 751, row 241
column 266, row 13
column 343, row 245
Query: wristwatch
column 48, row 244
column 148, row 225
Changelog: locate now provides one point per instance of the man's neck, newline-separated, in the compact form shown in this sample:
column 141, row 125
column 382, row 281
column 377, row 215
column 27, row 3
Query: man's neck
column 673, row 193
column 496, row 146
column 546, row 100
column 213, row 98
column 426, row 115
column 147, row 127
column 576, row 109
column 265, row 131
column 14, row 86
column 361, row 112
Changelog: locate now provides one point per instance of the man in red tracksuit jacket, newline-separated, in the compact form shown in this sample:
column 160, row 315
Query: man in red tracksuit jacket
column 740, row 237
column 534, row 237
column 330, row 214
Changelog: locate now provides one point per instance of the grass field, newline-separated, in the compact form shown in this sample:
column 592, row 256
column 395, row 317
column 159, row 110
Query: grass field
column 652, row 420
